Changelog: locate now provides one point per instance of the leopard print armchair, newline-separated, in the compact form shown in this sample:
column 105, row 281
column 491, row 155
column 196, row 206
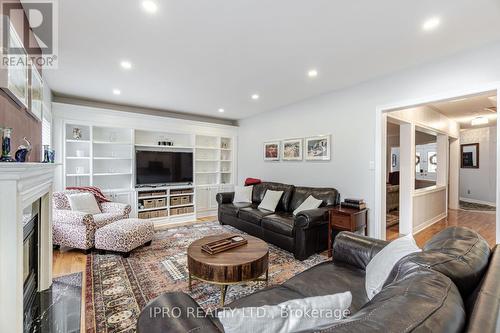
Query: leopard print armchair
column 77, row 229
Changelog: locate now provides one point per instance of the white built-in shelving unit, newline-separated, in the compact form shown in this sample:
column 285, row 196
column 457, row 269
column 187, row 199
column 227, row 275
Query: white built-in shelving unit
column 104, row 156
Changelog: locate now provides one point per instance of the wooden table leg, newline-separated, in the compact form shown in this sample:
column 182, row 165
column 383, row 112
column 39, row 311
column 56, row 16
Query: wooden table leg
column 190, row 286
column 223, row 289
column 267, row 277
column 329, row 235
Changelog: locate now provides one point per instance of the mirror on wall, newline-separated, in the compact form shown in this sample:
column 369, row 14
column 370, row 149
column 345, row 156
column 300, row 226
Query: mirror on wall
column 425, row 159
column 470, row 155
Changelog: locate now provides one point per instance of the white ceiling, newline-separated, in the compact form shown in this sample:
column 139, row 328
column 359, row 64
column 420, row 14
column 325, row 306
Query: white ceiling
column 464, row 110
column 198, row 56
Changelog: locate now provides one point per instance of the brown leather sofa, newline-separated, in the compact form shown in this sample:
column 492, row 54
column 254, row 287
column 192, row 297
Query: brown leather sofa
column 451, row 286
column 303, row 234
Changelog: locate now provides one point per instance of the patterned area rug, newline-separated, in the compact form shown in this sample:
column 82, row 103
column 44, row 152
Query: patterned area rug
column 475, row 206
column 117, row 288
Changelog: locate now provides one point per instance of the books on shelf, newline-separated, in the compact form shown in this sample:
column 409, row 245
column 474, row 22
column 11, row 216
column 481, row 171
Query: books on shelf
column 353, row 203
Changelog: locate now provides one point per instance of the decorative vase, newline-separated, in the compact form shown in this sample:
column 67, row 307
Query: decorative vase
column 52, row 155
column 46, row 154
column 23, row 152
column 6, row 146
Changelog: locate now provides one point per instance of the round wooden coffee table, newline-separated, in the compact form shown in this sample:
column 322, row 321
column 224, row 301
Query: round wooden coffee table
column 245, row 263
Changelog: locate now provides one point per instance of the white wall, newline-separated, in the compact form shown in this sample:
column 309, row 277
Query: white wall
column 349, row 115
column 480, row 182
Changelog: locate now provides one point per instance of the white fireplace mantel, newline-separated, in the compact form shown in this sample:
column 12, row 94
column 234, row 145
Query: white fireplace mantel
column 21, row 184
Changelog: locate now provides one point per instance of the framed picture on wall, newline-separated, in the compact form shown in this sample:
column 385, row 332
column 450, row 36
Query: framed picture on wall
column 36, row 100
column 318, row 148
column 14, row 78
column 292, row 150
column 470, row 155
column 272, row 151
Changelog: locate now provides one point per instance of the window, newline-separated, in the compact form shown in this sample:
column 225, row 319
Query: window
column 46, row 126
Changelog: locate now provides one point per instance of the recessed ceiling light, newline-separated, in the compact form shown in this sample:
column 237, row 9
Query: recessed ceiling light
column 431, row 24
column 221, row 110
column 149, row 6
column 126, row 64
column 312, row 73
column 117, row 91
column 255, row 97
column 479, row 121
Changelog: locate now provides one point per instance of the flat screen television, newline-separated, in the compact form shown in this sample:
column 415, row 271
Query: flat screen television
column 165, row 167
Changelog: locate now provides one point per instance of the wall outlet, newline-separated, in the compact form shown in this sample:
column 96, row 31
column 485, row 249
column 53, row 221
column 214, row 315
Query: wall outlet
column 468, row 191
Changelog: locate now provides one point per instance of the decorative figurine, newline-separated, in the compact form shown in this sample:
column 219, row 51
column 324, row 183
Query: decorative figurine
column 77, row 133
column 6, row 157
column 23, row 151
column 52, row 155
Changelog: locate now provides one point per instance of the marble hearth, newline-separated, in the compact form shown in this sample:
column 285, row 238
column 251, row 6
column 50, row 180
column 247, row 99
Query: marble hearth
column 21, row 185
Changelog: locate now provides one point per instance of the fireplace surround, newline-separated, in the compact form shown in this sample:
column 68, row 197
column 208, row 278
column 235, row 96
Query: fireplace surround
column 24, row 187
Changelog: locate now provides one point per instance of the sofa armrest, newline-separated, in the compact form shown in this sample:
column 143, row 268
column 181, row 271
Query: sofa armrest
column 225, row 197
column 356, row 250
column 176, row 312
column 116, row 208
column 72, row 217
column 312, row 217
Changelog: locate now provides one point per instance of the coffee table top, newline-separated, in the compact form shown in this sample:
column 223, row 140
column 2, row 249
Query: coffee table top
column 254, row 250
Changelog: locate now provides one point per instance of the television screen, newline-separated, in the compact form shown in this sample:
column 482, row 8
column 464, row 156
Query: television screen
column 155, row 167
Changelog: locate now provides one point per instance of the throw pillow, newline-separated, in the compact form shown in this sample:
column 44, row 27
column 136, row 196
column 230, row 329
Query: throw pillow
column 381, row 265
column 291, row 316
column 83, row 202
column 310, row 203
column 271, row 200
column 243, row 194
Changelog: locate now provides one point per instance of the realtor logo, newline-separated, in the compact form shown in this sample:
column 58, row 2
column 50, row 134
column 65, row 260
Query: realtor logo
column 30, row 28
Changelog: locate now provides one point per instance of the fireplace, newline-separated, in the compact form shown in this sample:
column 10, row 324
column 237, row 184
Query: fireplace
column 30, row 264
column 25, row 241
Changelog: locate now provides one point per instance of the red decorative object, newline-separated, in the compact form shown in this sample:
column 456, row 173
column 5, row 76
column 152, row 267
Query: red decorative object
column 252, row 181
column 99, row 196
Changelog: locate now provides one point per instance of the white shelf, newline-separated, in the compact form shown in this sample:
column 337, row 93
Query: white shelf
column 113, row 174
column 112, row 158
column 226, row 160
column 226, row 172
column 112, row 142
column 184, row 205
column 164, row 147
column 75, row 141
column 78, row 175
column 77, row 158
column 208, row 148
column 207, row 160
column 181, row 194
column 206, row 172
column 154, row 208
column 153, row 197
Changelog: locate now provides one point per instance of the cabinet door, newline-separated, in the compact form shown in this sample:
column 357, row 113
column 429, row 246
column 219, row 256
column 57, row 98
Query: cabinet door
column 122, row 197
column 213, row 190
column 202, row 202
column 227, row 188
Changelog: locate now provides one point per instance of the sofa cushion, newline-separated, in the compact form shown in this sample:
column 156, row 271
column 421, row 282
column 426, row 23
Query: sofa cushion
column 329, row 196
column 259, row 191
column 232, row 209
column 268, row 296
column 331, row 278
column 281, row 223
column 457, row 252
column 253, row 214
column 270, row 200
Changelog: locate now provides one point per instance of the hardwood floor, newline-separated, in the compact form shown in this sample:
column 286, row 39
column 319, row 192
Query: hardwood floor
column 482, row 222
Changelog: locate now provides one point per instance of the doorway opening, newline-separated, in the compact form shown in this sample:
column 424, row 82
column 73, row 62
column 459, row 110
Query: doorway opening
column 440, row 166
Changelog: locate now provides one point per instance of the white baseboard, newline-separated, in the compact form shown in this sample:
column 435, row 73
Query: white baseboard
column 430, row 222
column 478, row 202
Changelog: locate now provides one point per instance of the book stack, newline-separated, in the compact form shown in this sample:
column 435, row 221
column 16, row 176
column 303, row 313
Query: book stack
column 353, row 203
